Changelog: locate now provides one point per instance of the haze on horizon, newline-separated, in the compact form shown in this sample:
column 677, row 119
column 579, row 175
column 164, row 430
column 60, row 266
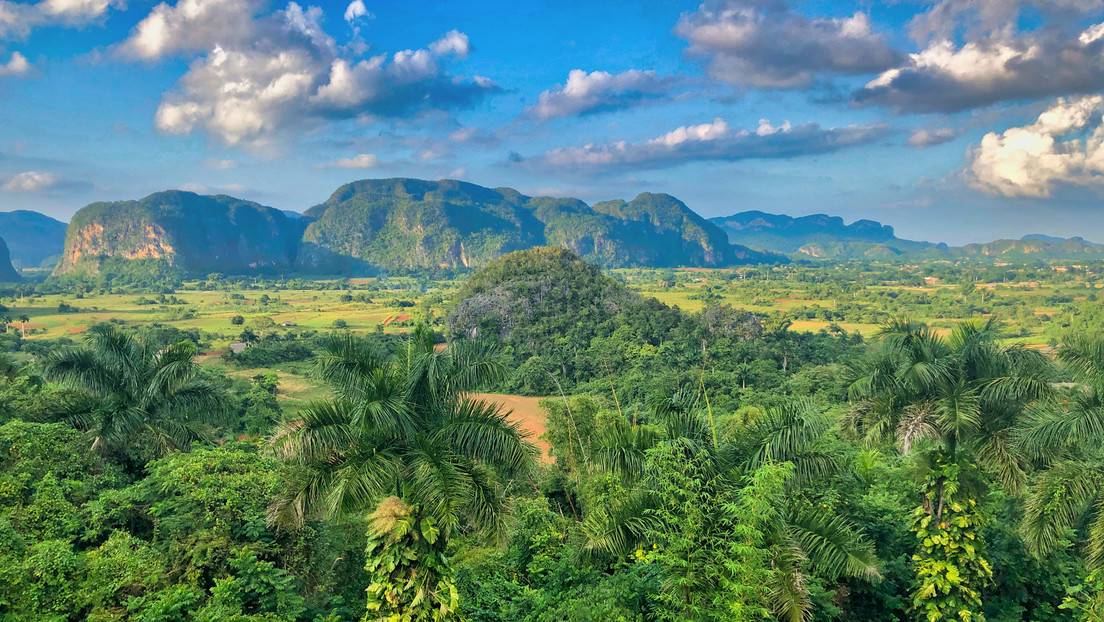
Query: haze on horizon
column 952, row 120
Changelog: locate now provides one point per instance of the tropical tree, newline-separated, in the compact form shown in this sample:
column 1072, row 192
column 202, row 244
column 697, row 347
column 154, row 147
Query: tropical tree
column 952, row 404
column 1064, row 435
column 711, row 498
column 404, row 443
column 141, row 398
column 954, row 400
column 23, row 319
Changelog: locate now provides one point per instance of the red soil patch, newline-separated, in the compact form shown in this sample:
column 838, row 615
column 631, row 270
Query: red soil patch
column 527, row 413
column 399, row 317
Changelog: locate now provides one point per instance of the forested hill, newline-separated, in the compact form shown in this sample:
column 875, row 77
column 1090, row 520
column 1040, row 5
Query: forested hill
column 192, row 232
column 34, row 239
column 403, row 224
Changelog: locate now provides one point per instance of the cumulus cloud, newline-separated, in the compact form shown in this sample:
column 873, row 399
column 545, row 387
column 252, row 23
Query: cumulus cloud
column 18, row 19
column 361, row 160
column 30, row 181
column 983, row 18
column 287, row 71
column 599, row 91
column 764, row 43
column 192, row 26
column 17, row 65
column 929, row 137
column 1064, row 146
column 947, row 77
column 714, row 141
column 356, row 10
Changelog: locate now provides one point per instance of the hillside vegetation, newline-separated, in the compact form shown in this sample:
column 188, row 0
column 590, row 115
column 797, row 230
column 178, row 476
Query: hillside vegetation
column 194, row 233
column 735, row 451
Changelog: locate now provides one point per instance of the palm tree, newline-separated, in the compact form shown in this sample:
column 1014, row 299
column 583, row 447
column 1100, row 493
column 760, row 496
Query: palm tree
column 952, row 404
column 403, row 440
column 139, row 396
column 1064, row 435
column 23, row 319
column 798, row 539
column 954, row 401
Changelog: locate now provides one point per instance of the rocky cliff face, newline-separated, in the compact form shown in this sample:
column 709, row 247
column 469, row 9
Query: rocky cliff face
column 185, row 230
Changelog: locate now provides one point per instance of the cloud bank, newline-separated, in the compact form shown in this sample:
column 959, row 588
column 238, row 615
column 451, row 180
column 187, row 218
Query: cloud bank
column 766, row 44
column 714, row 141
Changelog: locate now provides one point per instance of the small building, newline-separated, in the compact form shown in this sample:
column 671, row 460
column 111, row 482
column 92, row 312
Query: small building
column 238, row 347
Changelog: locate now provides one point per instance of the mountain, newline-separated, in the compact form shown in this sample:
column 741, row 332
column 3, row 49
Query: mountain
column 198, row 234
column 8, row 273
column 405, row 224
column 819, row 236
column 34, row 239
column 1035, row 245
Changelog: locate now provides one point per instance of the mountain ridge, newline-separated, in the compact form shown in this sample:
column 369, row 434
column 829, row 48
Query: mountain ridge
column 34, row 239
column 825, row 237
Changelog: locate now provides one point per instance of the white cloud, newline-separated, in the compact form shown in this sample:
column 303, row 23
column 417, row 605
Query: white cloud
column 945, row 19
column 1064, row 146
column 17, row 65
column 947, row 77
column 191, row 26
column 361, row 160
column 928, row 137
column 600, row 91
column 764, row 43
column 287, row 72
column 222, row 165
column 30, row 181
column 18, row 19
column 714, row 141
column 356, row 10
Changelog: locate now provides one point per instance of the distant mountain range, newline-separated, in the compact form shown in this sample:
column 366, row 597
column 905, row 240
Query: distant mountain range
column 8, row 273
column 401, row 225
column 33, row 239
column 394, row 225
column 824, row 237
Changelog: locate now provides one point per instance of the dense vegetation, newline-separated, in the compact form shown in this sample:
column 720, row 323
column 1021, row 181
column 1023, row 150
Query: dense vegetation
column 712, row 464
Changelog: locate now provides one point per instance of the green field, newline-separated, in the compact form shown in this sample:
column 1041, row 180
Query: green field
column 1029, row 302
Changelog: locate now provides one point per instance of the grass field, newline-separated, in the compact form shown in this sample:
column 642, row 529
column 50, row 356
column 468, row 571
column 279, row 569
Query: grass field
column 813, row 298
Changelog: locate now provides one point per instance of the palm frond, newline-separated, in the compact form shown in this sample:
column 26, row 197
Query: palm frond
column 1057, row 499
column 833, row 545
column 482, row 431
column 790, row 598
column 615, row 531
column 1052, row 426
column 785, row 432
column 622, row 448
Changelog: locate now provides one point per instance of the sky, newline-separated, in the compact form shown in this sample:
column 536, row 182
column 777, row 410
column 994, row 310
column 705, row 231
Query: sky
column 952, row 120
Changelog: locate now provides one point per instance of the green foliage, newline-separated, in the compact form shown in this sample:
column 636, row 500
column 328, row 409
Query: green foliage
column 451, row 224
column 951, row 569
column 137, row 392
column 410, row 578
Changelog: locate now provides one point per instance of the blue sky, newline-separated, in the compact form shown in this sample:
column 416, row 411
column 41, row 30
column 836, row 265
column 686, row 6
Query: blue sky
column 953, row 120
